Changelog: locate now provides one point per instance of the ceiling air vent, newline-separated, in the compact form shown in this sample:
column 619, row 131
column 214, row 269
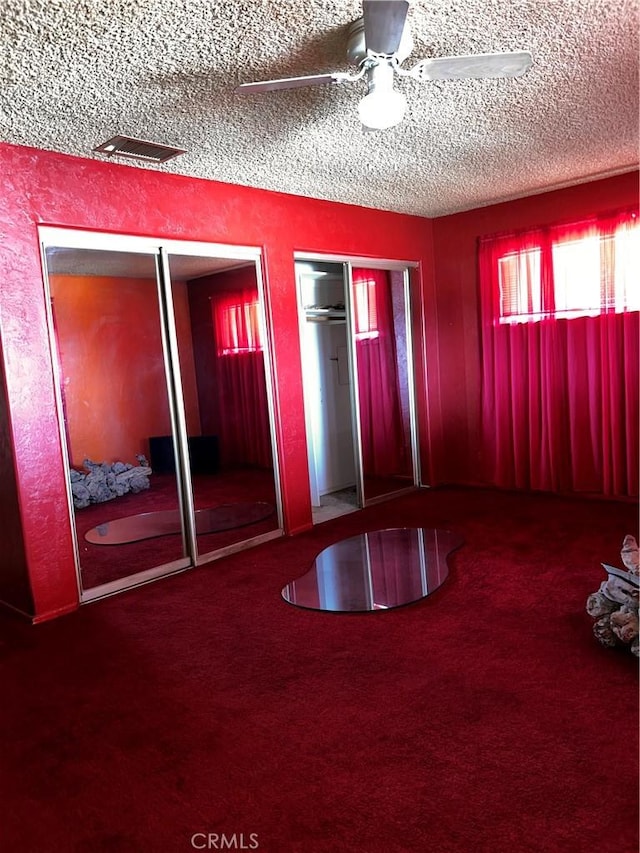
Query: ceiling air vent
column 138, row 149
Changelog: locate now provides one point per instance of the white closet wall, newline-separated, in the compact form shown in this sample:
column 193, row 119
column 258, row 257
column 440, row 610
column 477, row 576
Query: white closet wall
column 327, row 386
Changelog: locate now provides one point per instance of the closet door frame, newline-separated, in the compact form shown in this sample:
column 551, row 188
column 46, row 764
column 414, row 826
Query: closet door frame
column 348, row 262
column 51, row 237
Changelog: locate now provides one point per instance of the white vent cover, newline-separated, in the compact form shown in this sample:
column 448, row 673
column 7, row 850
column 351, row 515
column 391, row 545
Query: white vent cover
column 138, row 149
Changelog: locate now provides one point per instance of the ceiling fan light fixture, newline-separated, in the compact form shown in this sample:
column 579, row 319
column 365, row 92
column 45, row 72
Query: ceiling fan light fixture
column 382, row 110
column 382, row 107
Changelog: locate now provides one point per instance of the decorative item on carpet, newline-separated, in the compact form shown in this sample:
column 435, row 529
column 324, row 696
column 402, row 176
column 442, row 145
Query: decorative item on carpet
column 103, row 481
column 615, row 605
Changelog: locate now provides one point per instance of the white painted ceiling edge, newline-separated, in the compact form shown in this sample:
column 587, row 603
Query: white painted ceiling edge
column 76, row 72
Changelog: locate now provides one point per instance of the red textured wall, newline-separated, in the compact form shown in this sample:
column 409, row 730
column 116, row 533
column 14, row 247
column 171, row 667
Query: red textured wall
column 455, row 269
column 14, row 580
column 54, row 189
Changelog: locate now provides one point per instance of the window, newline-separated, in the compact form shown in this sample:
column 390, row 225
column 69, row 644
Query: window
column 588, row 269
column 520, row 290
column 237, row 323
column 365, row 308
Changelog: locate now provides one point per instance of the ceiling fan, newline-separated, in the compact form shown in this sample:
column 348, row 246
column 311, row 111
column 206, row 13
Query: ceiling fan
column 378, row 43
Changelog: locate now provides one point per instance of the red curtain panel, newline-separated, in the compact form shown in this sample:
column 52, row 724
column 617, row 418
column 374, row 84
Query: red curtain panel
column 245, row 437
column 383, row 450
column 559, row 311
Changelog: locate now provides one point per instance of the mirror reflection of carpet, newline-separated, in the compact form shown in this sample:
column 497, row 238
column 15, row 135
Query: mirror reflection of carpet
column 148, row 525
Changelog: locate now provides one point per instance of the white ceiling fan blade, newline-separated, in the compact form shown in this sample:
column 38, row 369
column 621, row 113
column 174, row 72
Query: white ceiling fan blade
column 475, row 66
column 292, row 82
column 384, row 22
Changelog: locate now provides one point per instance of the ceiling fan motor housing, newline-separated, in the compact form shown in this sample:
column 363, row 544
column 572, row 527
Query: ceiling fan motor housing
column 357, row 48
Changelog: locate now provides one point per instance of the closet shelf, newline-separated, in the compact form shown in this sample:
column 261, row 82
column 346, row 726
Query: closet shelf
column 328, row 314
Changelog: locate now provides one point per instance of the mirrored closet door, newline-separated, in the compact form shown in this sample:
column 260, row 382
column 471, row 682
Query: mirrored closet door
column 380, row 336
column 161, row 354
column 223, row 356
column 358, row 382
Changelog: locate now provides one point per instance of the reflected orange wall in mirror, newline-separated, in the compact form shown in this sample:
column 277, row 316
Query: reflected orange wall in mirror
column 113, row 379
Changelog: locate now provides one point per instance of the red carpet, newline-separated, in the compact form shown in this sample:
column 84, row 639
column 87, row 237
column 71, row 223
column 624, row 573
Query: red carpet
column 485, row 718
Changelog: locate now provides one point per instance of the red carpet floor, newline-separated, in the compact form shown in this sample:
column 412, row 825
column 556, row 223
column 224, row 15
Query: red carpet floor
column 485, row 718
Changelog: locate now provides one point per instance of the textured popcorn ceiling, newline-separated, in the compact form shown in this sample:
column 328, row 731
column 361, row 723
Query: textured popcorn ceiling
column 75, row 72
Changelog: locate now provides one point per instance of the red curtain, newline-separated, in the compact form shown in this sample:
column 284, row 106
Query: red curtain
column 245, row 437
column 560, row 373
column 383, row 450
